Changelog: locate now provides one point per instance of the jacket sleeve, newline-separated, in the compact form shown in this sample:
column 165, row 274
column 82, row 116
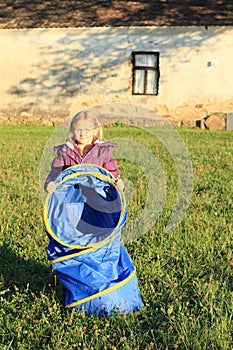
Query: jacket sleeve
column 110, row 164
column 56, row 167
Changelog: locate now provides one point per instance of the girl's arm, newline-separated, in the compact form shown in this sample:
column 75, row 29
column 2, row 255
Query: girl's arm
column 51, row 187
column 111, row 165
column 56, row 167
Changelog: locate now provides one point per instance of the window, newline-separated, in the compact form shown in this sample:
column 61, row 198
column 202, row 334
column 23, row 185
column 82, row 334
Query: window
column 145, row 73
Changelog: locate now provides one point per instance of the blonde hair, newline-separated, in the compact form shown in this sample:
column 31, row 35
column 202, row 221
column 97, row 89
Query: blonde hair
column 86, row 115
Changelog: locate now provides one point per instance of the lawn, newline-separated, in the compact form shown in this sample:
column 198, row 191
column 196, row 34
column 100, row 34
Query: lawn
column 185, row 276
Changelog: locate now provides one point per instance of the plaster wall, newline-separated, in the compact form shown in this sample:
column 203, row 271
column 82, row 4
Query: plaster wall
column 76, row 68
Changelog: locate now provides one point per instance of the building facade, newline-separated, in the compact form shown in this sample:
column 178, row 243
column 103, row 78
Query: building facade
column 182, row 73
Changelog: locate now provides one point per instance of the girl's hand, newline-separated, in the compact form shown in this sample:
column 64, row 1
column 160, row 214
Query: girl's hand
column 51, row 187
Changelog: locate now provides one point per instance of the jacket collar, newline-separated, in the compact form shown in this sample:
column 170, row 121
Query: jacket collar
column 72, row 145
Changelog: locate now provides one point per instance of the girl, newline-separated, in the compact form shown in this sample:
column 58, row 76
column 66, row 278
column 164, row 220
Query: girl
column 98, row 275
column 84, row 146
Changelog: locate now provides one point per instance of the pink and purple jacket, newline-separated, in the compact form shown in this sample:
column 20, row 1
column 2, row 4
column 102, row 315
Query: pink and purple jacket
column 68, row 155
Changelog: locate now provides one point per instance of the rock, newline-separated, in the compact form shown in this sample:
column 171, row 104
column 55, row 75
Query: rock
column 26, row 114
column 56, row 121
column 13, row 121
column 202, row 124
column 171, row 120
column 190, row 123
column 216, row 121
column 46, row 122
column 3, row 120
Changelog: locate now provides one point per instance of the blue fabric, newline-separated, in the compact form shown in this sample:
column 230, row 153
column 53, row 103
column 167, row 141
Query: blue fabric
column 85, row 215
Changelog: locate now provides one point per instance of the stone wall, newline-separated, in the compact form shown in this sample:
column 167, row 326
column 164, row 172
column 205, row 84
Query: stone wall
column 189, row 114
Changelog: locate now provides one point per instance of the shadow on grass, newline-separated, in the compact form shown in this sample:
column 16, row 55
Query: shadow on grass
column 19, row 273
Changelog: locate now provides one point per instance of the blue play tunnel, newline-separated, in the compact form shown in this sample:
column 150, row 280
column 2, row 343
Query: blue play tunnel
column 83, row 219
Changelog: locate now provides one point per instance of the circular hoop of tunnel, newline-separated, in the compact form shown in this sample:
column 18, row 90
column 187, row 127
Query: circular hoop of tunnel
column 86, row 209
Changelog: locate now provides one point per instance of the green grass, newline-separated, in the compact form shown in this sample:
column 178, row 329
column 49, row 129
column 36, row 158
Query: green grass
column 185, row 276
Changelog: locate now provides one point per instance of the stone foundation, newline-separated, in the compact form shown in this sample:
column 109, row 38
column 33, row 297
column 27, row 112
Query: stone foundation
column 190, row 114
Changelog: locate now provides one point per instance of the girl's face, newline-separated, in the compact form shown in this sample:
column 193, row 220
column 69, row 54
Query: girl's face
column 84, row 132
